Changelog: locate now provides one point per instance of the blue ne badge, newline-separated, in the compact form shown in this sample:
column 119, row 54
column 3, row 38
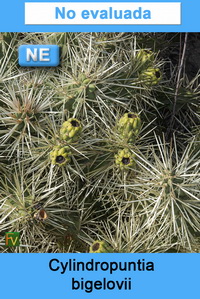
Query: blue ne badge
column 39, row 55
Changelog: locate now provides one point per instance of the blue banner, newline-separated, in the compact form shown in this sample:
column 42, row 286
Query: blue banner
column 100, row 275
column 136, row 16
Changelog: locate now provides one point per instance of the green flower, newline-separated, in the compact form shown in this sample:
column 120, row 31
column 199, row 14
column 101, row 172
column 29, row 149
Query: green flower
column 151, row 76
column 129, row 126
column 124, row 159
column 70, row 130
column 100, row 247
column 60, row 155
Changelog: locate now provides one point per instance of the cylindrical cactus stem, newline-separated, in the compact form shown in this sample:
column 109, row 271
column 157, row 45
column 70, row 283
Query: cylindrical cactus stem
column 129, row 126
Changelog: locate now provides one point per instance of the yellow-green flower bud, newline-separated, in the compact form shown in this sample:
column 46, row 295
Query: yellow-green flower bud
column 124, row 159
column 70, row 130
column 60, row 155
column 129, row 126
column 145, row 55
column 100, row 247
column 151, row 76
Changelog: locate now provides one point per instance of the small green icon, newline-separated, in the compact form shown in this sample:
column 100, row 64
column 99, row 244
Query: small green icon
column 12, row 239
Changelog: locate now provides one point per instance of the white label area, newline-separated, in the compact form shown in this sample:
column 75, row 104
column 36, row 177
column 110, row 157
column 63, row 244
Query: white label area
column 103, row 13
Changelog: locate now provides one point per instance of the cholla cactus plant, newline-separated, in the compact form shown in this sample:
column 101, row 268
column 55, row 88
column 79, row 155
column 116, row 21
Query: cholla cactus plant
column 100, row 154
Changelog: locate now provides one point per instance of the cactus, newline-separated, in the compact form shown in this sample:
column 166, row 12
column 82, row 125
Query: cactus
column 103, row 147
